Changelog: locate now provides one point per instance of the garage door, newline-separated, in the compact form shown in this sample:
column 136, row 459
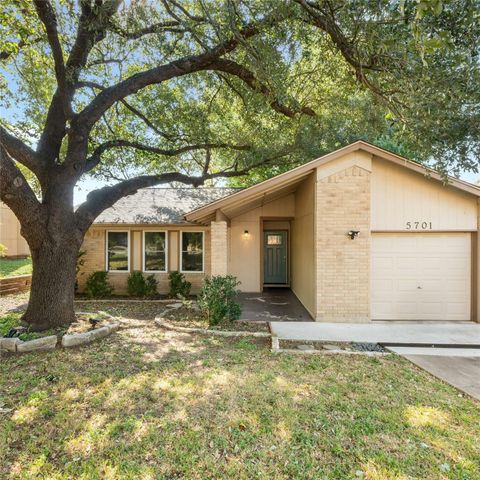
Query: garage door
column 421, row 276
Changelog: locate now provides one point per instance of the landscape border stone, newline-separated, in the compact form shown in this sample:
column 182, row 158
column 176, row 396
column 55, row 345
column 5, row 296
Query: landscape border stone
column 162, row 322
column 15, row 345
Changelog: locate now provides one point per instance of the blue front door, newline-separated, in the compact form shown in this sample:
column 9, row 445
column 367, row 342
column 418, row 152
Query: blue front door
column 275, row 257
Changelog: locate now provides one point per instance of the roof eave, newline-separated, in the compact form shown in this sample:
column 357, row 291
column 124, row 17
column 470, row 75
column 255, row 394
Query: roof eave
column 202, row 213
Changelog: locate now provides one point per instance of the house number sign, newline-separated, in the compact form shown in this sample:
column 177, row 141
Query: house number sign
column 418, row 225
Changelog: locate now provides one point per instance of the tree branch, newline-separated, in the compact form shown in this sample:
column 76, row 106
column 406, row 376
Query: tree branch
column 240, row 71
column 177, row 68
column 103, row 198
column 17, row 194
column 130, row 107
column 95, row 158
column 171, row 26
column 91, row 29
column 20, row 151
column 48, row 18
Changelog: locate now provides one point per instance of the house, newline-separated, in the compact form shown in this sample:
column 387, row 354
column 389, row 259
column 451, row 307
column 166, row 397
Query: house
column 359, row 234
column 10, row 235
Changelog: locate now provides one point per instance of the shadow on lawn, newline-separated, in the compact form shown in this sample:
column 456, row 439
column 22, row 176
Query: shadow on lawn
column 147, row 403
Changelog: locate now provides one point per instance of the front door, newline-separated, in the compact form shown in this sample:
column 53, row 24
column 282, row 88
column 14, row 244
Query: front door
column 275, row 257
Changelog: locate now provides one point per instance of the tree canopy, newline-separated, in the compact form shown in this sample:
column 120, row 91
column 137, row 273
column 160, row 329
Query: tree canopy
column 313, row 76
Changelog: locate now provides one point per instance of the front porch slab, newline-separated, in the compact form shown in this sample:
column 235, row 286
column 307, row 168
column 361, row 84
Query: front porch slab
column 273, row 305
column 412, row 333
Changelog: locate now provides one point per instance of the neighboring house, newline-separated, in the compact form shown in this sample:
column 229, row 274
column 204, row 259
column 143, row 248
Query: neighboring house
column 359, row 234
column 10, row 234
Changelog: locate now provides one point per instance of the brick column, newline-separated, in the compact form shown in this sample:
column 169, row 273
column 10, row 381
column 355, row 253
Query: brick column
column 219, row 247
column 343, row 265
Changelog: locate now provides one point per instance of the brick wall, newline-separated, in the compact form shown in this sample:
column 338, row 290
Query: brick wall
column 343, row 265
column 94, row 245
column 219, row 247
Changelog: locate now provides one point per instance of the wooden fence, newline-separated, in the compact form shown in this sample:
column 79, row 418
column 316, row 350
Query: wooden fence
column 16, row 284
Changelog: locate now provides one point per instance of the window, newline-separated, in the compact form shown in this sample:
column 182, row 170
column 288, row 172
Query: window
column 154, row 251
column 118, row 257
column 192, row 251
column 274, row 239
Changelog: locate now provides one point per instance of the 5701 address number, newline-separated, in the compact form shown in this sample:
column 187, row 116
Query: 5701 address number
column 418, row 225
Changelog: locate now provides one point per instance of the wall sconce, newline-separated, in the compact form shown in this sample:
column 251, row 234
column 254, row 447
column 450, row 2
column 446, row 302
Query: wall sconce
column 246, row 234
column 353, row 234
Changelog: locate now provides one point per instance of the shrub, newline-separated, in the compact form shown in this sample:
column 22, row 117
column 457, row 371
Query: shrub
column 97, row 285
column 139, row 286
column 3, row 250
column 151, row 286
column 179, row 287
column 218, row 299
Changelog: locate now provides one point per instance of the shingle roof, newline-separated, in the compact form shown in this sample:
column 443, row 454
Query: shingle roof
column 161, row 205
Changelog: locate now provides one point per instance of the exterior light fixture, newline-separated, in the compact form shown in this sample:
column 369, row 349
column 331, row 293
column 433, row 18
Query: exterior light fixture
column 353, row 234
column 246, row 234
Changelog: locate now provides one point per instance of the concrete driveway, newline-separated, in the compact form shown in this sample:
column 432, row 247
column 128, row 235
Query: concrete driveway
column 457, row 367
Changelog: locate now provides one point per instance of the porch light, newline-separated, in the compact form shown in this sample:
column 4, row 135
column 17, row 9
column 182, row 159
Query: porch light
column 353, row 234
column 246, row 234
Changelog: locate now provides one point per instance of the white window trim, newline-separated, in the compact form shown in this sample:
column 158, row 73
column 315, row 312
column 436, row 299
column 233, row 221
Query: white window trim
column 166, row 251
column 181, row 251
column 128, row 251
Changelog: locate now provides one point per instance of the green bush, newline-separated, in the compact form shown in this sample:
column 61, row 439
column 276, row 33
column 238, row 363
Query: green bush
column 179, row 287
column 97, row 285
column 151, row 286
column 218, row 299
column 139, row 286
column 3, row 250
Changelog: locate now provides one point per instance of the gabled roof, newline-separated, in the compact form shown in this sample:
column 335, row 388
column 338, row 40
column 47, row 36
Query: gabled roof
column 160, row 205
column 286, row 180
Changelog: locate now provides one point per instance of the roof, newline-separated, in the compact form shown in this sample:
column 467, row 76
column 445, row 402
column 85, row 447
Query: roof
column 285, row 181
column 160, row 205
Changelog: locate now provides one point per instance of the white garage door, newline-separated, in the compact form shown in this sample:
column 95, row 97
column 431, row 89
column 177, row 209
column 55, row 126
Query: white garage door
column 419, row 276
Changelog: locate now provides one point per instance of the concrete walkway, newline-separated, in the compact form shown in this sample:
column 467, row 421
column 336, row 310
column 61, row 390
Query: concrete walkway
column 418, row 334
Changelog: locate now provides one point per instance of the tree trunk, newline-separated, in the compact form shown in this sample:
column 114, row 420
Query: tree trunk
column 52, row 292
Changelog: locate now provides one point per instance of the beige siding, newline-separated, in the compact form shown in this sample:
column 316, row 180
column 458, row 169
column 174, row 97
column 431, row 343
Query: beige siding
column 302, row 249
column 219, row 247
column 400, row 196
column 10, row 233
column 136, row 238
column 245, row 250
column 173, row 250
column 95, row 259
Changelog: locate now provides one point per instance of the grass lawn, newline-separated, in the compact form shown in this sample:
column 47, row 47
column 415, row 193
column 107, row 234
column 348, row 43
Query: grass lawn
column 13, row 267
column 146, row 403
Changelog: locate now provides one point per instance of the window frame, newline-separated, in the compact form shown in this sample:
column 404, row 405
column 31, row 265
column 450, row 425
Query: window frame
column 180, row 251
column 128, row 251
column 166, row 251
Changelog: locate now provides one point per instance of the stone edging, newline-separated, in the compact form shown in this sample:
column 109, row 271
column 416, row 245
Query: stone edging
column 276, row 349
column 330, row 352
column 161, row 322
column 15, row 345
